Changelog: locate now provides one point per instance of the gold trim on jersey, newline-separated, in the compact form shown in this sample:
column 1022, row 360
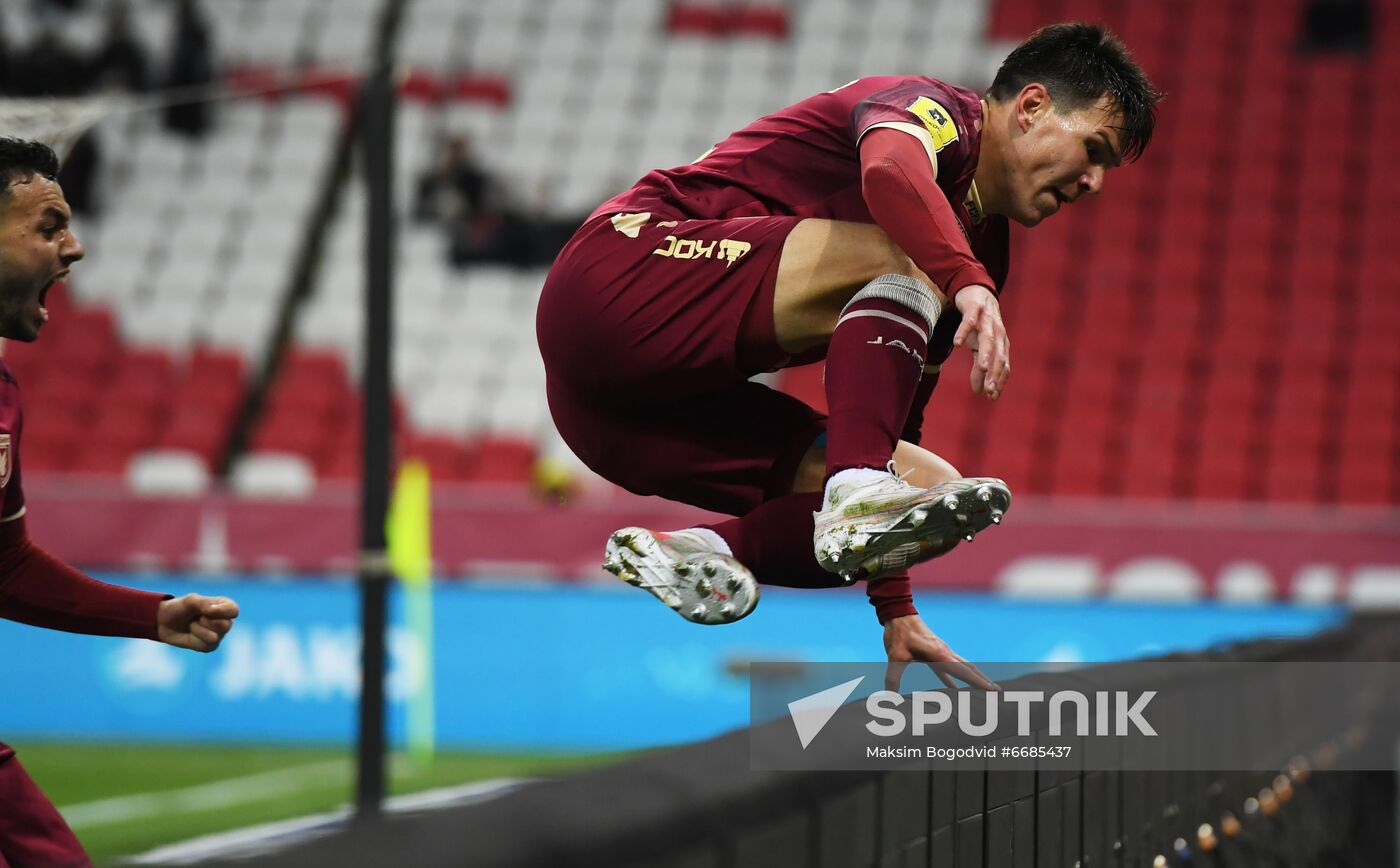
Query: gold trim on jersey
column 630, row 224
column 19, row 514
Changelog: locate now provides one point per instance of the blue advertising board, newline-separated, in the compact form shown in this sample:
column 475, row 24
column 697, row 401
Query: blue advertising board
column 533, row 667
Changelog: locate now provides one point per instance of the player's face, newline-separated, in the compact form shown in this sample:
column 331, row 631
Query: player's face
column 1061, row 156
column 37, row 246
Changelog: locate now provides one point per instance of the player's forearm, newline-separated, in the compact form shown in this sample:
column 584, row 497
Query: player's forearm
column 892, row 597
column 901, row 192
column 37, row 588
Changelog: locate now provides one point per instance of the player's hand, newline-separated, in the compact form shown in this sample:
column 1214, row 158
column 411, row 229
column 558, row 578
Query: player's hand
column 909, row 640
column 195, row 622
column 982, row 330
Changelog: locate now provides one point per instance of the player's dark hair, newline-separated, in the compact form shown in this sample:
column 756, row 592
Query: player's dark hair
column 1078, row 64
column 22, row 159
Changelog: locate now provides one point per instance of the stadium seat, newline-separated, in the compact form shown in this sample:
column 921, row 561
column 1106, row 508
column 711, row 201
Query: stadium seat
column 272, row 475
column 167, row 473
column 503, row 459
column 1156, row 580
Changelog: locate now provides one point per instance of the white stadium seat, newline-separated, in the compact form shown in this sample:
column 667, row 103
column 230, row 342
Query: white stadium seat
column 272, row 475
column 167, row 472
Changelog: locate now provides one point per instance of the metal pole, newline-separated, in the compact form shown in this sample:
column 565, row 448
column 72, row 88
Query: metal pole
column 376, row 128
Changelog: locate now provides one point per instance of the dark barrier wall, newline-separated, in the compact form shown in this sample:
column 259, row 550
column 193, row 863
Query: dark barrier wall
column 701, row 806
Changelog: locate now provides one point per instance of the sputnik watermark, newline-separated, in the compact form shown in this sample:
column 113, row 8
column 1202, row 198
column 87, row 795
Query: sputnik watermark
column 933, row 708
column 930, row 708
column 1186, row 715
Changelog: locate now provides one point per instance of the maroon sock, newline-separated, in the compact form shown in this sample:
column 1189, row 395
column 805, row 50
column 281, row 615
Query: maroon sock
column 775, row 542
column 914, row 425
column 873, row 366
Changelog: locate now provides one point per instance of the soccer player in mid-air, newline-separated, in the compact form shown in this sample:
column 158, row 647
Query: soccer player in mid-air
column 867, row 225
column 37, row 247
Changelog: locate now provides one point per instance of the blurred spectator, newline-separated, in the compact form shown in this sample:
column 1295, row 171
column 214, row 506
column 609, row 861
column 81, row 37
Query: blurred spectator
column 47, row 67
column 49, row 7
column 467, row 202
column 191, row 65
column 455, row 187
column 79, row 173
column 121, row 63
column 471, row 207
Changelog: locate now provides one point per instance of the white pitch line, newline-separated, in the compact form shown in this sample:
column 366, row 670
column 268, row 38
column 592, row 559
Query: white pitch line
column 268, row 838
column 206, row 797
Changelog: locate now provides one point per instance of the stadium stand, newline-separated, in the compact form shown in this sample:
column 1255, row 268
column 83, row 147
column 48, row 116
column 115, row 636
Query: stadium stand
column 1163, row 355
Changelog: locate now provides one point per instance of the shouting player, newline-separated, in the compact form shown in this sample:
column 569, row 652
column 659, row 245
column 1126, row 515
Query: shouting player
column 37, row 247
column 867, row 226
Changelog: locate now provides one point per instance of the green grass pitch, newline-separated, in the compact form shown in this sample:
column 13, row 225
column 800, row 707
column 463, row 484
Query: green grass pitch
column 96, row 783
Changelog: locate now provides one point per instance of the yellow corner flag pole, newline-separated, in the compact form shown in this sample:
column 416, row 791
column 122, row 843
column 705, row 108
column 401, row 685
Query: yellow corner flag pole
column 411, row 557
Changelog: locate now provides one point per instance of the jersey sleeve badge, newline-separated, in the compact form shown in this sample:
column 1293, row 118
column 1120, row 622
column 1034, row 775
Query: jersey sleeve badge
column 936, row 120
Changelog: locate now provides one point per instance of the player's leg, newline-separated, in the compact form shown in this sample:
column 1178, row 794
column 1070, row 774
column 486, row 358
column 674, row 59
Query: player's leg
column 824, row 263
column 731, row 452
column 916, row 464
column 850, row 286
column 774, row 539
column 32, row 832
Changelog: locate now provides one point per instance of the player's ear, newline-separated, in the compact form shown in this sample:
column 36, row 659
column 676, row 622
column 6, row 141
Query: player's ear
column 1032, row 102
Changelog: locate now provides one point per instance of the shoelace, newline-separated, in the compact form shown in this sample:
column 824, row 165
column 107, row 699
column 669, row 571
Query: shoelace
column 902, row 477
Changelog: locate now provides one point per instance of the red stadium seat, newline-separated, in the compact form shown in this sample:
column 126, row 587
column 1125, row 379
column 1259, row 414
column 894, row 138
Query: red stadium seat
column 697, row 19
column 249, row 78
column 480, row 87
column 133, row 426
column 107, row 458
column 300, row 436
column 503, row 459
column 312, row 403
column 1080, row 461
column 340, row 464
column 448, row 459
column 215, row 370
column 420, row 85
column 338, row 85
column 197, row 429
column 48, row 454
column 772, row 21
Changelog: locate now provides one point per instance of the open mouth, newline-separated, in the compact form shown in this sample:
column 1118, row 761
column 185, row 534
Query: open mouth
column 1060, row 197
column 44, row 293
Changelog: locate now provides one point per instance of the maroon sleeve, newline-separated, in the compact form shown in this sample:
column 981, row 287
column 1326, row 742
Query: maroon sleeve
column 892, row 598
column 905, row 201
column 37, row 588
column 944, row 112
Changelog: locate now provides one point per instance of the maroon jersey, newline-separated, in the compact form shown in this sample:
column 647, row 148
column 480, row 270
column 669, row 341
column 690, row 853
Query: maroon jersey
column 11, row 426
column 802, row 161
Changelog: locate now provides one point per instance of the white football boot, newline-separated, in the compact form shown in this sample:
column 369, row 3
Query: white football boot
column 883, row 524
column 685, row 572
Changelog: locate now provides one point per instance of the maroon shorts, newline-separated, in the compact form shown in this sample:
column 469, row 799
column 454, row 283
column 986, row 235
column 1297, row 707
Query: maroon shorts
column 649, row 333
column 32, row 832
